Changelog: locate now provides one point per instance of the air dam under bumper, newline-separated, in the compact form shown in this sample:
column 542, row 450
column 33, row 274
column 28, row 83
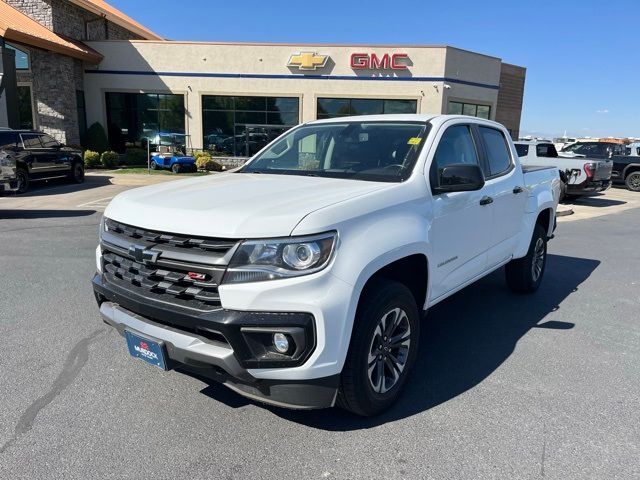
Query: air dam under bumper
column 196, row 355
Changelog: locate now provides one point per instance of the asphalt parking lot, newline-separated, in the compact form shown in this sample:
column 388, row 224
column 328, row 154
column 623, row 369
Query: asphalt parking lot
column 505, row 386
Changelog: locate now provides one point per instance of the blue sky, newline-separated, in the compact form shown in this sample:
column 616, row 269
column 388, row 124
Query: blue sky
column 582, row 57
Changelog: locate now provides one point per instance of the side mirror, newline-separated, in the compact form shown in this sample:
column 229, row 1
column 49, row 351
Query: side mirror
column 460, row 177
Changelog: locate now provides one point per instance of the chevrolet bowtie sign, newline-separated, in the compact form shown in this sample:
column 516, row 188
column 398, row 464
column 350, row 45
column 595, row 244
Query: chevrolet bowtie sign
column 307, row 60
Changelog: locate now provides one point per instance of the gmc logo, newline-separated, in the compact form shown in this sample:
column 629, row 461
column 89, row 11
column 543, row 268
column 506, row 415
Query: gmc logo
column 395, row 61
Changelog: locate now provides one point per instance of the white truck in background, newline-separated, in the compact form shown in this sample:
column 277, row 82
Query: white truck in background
column 579, row 175
column 300, row 279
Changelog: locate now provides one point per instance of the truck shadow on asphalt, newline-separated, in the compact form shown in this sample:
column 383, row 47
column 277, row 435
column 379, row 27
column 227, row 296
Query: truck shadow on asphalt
column 31, row 214
column 58, row 186
column 463, row 340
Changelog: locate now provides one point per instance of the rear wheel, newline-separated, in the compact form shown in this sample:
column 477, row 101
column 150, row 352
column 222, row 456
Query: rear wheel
column 77, row 172
column 153, row 165
column 632, row 181
column 524, row 275
column 383, row 348
column 22, row 175
column 176, row 168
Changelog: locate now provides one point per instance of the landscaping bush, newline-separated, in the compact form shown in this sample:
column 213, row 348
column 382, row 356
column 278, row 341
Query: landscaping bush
column 135, row 157
column 91, row 158
column 202, row 160
column 213, row 166
column 109, row 159
column 97, row 139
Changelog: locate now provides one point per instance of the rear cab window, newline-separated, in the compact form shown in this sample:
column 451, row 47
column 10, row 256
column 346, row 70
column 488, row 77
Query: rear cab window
column 546, row 150
column 523, row 150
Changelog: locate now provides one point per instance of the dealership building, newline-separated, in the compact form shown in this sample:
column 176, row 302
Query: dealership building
column 226, row 97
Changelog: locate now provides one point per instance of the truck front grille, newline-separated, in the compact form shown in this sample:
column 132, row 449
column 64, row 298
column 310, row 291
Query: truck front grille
column 191, row 286
column 136, row 234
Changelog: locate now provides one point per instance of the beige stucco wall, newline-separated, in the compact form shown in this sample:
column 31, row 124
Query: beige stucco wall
column 196, row 59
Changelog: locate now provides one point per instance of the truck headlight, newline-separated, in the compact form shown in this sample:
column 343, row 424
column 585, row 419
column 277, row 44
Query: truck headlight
column 271, row 259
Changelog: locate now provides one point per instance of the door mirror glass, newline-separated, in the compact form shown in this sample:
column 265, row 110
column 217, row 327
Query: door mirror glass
column 462, row 177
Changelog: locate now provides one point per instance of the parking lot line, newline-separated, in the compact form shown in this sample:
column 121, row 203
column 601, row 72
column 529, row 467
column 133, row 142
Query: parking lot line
column 97, row 203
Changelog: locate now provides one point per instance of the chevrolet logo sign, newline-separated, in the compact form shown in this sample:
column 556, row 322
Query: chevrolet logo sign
column 307, row 60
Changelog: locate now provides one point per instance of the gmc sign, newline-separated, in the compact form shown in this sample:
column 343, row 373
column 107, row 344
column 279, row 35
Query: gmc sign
column 394, row 61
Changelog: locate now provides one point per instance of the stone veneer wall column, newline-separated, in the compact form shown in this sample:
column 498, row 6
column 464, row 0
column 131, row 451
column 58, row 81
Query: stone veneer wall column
column 510, row 98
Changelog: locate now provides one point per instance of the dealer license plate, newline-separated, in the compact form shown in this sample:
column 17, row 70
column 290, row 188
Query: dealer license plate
column 151, row 351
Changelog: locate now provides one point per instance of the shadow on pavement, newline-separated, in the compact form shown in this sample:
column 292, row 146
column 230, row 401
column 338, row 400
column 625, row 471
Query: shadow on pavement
column 57, row 186
column 463, row 340
column 29, row 214
column 598, row 201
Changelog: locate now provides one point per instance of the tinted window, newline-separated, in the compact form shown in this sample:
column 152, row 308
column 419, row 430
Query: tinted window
column 48, row 141
column 546, row 150
column 7, row 139
column 456, row 146
column 339, row 107
column 523, row 150
column 31, row 140
column 497, row 151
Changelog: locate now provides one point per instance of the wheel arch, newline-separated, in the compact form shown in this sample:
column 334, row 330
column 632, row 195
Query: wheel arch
column 632, row 167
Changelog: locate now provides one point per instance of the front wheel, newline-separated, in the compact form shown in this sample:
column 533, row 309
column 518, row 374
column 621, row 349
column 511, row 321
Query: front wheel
column 524, row 275
column 22, row 175
column 176, row 168
column 383, row 348
column 77, row 172
column 632, row 181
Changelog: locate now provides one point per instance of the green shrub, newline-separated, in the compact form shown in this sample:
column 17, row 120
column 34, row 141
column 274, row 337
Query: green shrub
column 97, row 139
column 202, row 160
column 213, row 166
column 109, row 159
column 135, row 157
column 91, row 158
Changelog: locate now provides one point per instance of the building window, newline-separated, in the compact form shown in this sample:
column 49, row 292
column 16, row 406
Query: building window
column 342, row 107
column 82, row 115
column 241, row 126
column 22, row 58
column 471, row 109
column 135, row 118
column 25, row 107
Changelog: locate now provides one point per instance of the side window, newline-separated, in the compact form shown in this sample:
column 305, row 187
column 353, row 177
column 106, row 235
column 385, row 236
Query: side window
column 31, row 140
column 48, row 141
column 523, row 150
column 546, row 150
column 497, row 150
column 456, row 146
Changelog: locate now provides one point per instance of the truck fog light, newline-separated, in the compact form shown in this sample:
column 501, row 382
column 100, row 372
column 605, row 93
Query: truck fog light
column 281, row 342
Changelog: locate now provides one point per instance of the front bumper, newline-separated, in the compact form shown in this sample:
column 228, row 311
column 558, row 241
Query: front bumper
column 8, row 185
column 213, row 345
column 589, row 187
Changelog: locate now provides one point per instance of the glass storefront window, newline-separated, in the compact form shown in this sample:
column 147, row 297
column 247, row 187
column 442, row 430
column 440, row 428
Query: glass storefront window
column 471, row 109
column 242, row 125
column 341, row 107
column 25, row 107
column 132, row 118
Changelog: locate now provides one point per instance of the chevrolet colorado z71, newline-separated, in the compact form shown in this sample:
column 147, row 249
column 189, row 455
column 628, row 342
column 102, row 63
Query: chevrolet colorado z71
column 300, row 279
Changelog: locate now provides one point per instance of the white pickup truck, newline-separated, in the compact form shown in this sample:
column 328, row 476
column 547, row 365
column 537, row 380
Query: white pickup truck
column 300, row 279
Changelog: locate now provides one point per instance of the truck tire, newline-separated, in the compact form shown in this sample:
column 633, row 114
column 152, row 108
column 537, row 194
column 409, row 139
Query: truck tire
column 77, row 172
column 524, row 275
column 22, row 175
column 632, row 181
column 383, row 348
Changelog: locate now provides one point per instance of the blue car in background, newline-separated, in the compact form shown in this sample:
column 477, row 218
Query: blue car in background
column 170, row 153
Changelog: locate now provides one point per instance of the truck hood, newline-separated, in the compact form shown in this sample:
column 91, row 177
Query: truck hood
column 233, row 205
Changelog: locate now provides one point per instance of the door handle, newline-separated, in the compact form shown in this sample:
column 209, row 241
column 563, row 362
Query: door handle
column 486, row 200
column 518, row 189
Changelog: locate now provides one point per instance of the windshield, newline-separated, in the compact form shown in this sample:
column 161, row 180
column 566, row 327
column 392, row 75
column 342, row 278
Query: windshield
column 375, row 151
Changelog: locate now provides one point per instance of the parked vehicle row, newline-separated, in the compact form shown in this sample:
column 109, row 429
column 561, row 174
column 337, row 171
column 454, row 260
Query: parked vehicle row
column 304, row 283
column 36, row 156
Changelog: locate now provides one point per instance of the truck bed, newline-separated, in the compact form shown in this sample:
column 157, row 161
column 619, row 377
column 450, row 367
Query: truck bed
column 535, row 168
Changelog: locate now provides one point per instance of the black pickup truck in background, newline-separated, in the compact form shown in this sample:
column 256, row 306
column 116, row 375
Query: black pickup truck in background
column 38, row 156
column 626, row 168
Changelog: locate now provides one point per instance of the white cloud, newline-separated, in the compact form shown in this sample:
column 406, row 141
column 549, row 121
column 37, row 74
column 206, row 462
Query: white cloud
column 604, row 110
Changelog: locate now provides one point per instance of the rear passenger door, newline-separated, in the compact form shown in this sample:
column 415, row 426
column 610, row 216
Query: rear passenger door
column 36, row 157
column 59, row 160
column 509, row 193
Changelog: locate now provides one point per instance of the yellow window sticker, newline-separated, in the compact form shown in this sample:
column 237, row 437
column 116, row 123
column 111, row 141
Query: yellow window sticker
column 414, row 141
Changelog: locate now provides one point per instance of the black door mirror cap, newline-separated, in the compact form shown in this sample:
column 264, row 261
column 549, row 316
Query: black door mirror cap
column 459, row 177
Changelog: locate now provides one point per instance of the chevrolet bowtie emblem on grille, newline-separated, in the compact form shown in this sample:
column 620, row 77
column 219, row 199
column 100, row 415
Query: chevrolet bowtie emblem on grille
column 142, row 254
column 307, row 60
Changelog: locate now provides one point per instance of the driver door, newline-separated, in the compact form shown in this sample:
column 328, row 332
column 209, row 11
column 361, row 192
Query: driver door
column 461, row 227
